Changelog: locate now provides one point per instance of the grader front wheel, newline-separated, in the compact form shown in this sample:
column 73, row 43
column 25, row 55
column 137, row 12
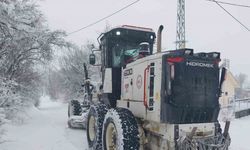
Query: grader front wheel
column 94, row 126
column 74, row 108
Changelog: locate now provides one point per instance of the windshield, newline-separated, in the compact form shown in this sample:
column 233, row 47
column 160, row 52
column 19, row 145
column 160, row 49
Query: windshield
column 124, row 52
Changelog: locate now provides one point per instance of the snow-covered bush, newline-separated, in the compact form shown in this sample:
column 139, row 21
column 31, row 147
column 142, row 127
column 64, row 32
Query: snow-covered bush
column 2, row 122
column 10, row 99
column 10, row 102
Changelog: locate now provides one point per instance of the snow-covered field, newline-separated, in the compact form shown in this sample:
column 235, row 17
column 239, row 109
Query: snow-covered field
column 46, row 129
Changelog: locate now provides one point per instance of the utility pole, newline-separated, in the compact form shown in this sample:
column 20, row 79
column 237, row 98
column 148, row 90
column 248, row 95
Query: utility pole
column 180, row 36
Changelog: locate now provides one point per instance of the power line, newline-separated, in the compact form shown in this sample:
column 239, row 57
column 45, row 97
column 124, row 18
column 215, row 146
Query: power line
column 232, row 4
column 232, row 16
column 91, row 24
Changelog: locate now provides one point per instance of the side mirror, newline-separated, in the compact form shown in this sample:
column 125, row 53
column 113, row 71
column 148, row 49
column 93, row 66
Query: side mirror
column 92, row 59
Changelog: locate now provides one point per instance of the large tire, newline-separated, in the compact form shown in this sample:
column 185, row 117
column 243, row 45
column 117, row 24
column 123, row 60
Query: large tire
column 120, row 130
column 74, row 108
column 94, row 125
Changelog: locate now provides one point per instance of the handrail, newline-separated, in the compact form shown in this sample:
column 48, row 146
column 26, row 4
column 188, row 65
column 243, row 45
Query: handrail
column 145, row 86
column 243, row 99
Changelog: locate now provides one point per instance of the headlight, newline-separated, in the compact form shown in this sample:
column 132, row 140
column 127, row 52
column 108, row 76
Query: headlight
column 118, row 33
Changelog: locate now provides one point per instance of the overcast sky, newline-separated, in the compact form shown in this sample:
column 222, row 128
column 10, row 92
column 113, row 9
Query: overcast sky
column 208, row 27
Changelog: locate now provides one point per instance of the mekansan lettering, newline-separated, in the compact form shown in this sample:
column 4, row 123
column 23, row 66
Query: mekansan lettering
column 200, row 64
column 128, row 72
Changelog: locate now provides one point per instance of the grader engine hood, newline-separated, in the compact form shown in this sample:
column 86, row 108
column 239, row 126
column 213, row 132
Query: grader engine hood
column 190, row 89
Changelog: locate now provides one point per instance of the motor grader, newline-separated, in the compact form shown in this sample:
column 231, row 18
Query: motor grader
column 167, row 100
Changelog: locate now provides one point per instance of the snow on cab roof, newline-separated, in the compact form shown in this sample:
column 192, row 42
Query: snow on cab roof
column 135, row 28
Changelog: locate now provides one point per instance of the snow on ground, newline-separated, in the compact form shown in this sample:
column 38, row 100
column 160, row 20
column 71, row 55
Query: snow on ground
column 239, row 132
column 46, row 129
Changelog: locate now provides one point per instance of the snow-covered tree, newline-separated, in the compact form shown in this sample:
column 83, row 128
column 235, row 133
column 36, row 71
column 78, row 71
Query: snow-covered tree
column 25, row 42
column 67, row 81
column 73, row 71
column 24, row 39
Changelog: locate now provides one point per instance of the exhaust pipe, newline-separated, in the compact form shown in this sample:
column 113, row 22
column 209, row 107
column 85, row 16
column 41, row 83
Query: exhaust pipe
column 159, row 38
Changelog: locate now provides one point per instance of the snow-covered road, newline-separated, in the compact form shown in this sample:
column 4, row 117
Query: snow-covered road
column 46, row 129
column 240, row 132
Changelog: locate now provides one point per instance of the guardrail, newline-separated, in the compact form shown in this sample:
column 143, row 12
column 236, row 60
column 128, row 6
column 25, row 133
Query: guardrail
column 236, row 108
column 241, row 107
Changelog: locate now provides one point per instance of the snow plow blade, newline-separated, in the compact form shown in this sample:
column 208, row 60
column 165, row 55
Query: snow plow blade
column 78, row 122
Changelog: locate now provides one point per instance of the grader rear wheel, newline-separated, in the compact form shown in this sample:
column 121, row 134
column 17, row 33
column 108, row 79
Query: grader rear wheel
column 120, row 130
column 111, row 137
